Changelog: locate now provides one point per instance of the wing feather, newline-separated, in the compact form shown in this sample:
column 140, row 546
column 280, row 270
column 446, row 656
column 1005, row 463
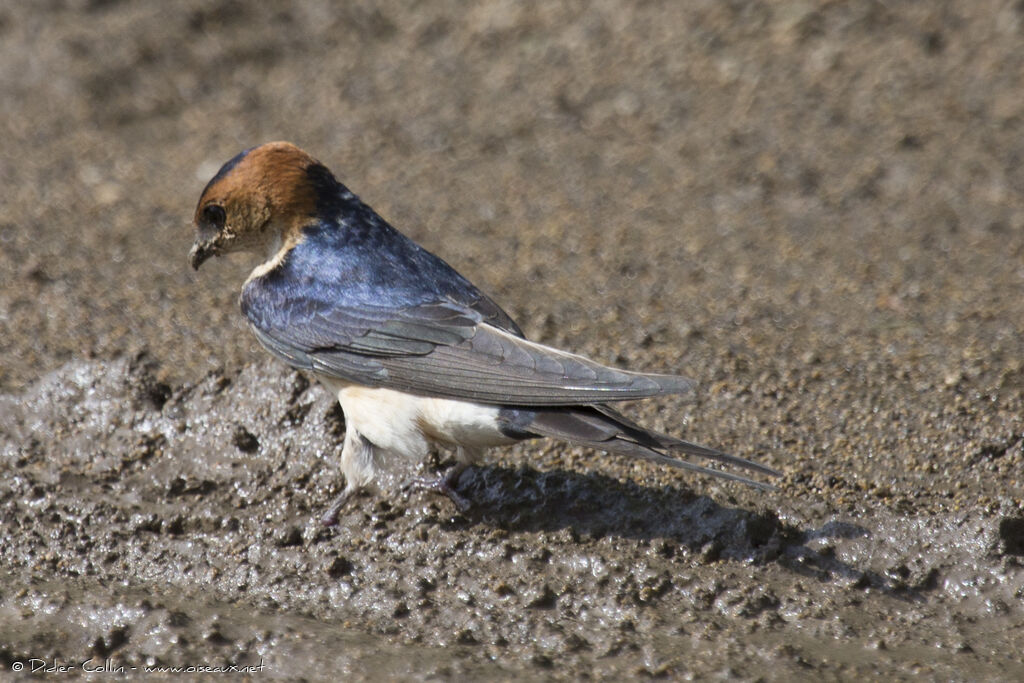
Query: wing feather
column 438, row 348
column 496, row 367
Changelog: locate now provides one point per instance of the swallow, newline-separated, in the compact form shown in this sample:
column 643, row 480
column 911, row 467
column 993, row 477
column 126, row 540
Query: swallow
column 416, row 355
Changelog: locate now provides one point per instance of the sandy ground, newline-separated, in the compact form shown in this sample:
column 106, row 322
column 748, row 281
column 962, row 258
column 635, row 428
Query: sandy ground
column 817, row 210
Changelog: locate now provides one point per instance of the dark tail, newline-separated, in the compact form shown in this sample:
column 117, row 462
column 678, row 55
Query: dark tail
column 603, row 428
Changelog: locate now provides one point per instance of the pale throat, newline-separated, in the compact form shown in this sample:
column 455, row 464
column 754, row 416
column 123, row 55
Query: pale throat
column 273, row 245
column 276, row 247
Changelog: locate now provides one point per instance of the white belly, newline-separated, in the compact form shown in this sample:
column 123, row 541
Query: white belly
column 406, row 424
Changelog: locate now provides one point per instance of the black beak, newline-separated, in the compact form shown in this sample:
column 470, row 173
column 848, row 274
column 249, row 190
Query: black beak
column 200, row 252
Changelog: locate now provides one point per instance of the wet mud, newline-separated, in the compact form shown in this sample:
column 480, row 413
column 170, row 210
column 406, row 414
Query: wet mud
column 180, row 526
column 815, row 211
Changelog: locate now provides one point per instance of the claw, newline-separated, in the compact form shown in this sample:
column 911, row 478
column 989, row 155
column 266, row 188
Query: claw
column 444, row 485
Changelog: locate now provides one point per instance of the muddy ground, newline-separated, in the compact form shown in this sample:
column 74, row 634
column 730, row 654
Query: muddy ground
column 817, row 210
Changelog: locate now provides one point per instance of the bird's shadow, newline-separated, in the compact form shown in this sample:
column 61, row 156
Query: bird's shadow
column 592, row 506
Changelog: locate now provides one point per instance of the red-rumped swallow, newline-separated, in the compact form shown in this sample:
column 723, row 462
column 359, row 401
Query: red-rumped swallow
column 415, row 353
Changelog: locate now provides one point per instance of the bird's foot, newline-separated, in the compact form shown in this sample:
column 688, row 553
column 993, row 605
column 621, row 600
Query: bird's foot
column 444, row 485
column 330, row 517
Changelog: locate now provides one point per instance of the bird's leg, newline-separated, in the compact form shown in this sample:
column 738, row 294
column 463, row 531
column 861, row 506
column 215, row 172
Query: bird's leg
column 445, row 485
column 357, row 464
column 330, row 517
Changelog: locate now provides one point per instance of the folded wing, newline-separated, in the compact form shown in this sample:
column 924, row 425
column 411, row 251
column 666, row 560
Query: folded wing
column 437, row 348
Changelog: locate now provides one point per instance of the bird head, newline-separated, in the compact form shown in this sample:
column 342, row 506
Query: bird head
column 255, row 201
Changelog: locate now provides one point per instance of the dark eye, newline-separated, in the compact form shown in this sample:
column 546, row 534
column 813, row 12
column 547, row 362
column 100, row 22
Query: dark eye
column 213, row 214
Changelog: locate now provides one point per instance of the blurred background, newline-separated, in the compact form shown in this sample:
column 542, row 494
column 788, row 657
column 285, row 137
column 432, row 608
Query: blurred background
column 790, row 177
